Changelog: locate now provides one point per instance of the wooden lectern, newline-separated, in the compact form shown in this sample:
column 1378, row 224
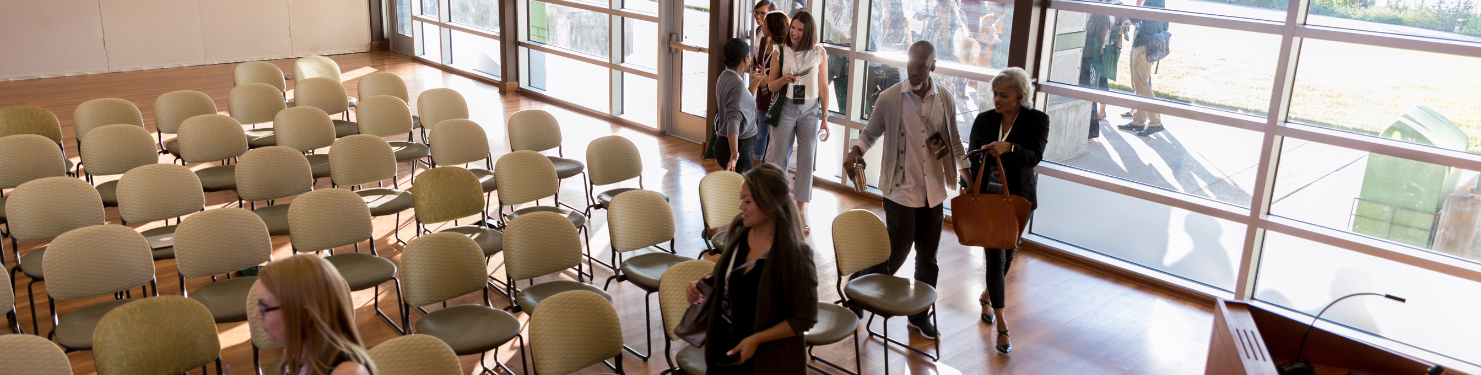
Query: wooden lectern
column 1251, row 340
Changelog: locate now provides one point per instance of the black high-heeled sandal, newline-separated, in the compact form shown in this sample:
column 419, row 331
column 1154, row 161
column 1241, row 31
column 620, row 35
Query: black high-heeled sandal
column 989, row 318
column 1004, row 348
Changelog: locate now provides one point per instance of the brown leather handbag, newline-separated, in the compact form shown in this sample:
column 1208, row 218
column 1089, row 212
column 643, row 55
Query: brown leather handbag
column 993, row 221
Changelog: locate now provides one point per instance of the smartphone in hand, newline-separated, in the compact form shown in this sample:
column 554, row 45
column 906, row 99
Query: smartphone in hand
column 803, row 72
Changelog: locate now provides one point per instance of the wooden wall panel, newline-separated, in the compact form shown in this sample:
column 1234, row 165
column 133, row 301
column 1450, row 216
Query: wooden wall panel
column 152, row 33
column 51, row 38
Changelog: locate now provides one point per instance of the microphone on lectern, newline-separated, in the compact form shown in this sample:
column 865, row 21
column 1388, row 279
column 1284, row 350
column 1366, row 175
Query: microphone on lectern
column 1299, row 366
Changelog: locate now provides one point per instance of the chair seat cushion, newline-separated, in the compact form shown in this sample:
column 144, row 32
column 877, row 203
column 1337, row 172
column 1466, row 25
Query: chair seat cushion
column 470, row 329
column 173, row 147
column 408, row 151
column 362, row 271
column 75, row 330
column 889, row 295
column 109, row 192
column 218, row 178
column 566, row 167
column 31, row 264
column 318, row 165
column 834, row 324
column 226, row 299
column 530, row 297
column 575, row 217
column 692, row 360
column 486, row 179
column 718, row 240
column 261, row 137
column 385, row 201
column 490, row 240
column 645, row 270
column 276, row 218
column 344, row 128
column 167, row 252
column 605, row 198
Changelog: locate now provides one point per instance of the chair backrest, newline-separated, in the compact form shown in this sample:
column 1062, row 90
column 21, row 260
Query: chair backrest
column 259, row 72
column 639, row 219
column 415, row 355
column 540, row 243
column 860, row 241
column 32, row 355
column 254, row 325
column 613, row 159
column 158, row 335
column 328, row 218
column 157, row 192
column 303, row 128
column 273, row 172
column 446, row 194
column 436, row 105
column 174, row 107
column 525, row 176
column 574, row 330
column 221, row 240
column 98, row 113
column 30, row 120
column 361, row 159
column 327, row 94
column 673, row 290
column 118, row 148
column 208, row 138
column 28, row 157
column 382, row 83
column 441, row 266
column 47, row 207
column 382, row 115
column 7, row 299
column 96, row 260
column 533, row 130
column 458, row 141
column 315, row 67
column 254, row 103
column 719, row 197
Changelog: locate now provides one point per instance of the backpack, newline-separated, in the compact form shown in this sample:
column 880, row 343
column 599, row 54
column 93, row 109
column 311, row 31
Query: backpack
column 1158, row 47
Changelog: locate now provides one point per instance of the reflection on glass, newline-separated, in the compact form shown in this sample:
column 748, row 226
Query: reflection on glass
column 640, row 43
column 431, row 41
column 1359, row 89
column 483, row 14
column 838, row 21
column 1193, row 246
column 1211, row 67
column 838, row 78
column 475, row 53
column 640, row 99
column 570, row 28
column 570, row 80
column 403, row 17
column 1444, row 19
column 1414, row 203
column 971, row 97
column 429, row 8
column 972, row 32
column 1305, row 276
column 693, row 82
column 1274, row 10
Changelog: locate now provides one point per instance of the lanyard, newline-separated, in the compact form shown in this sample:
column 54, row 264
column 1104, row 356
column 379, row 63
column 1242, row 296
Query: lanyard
column 1003, row 136
column 925, row 117
column 738, row 268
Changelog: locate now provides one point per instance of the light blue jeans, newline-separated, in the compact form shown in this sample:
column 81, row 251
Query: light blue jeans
column 800, row 124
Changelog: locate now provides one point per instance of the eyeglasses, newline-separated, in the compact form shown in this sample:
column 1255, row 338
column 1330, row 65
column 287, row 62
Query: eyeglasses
column 264, row 309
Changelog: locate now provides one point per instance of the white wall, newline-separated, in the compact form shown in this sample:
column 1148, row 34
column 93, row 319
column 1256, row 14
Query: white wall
column 51, row 38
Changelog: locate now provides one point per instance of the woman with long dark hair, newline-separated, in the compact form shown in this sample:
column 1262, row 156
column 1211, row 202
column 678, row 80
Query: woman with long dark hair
column 305, row 304
column 800, row 73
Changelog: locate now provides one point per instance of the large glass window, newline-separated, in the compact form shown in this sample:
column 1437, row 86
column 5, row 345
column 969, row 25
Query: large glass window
column 483, row 14
column 575, row 29
column 640, row 99
column 570, row 80
column 640, row 43
column 1443, row 19
column 971, row 32
column 838, row 22
column 971, row 97
column 475, row 53
column 429, row 8
column 696, row 75
column 403, row 17
column 431, row 41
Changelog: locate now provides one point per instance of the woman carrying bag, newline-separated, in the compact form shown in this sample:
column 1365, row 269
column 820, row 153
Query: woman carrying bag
column 799, row 75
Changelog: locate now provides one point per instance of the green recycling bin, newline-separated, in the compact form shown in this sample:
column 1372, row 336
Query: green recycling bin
column 1401, row 199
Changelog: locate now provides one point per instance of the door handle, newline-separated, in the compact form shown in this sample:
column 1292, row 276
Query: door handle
column 676, row 45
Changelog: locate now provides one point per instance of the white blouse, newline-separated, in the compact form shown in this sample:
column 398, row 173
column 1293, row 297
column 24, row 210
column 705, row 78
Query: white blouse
column 796, row 62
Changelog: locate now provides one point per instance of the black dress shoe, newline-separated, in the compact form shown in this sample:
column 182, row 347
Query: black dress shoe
column 1004, row 348
column 1130, row 127
column 1126, row 115
column 927, row 330
column 989, row 318
column 1150, row 130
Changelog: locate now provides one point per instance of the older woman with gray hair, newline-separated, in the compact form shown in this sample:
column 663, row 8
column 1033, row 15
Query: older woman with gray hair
column 1016, row 133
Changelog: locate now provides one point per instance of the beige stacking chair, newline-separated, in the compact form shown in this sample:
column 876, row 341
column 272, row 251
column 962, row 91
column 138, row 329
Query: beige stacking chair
column 383, row 83
column 26, row 157
column 328, row 95
column 272, row 173
column 415, row 355
column 159, row 192
column 538, row 131
column 306, row 129
column 443, row 266
column 173, row 108
column 673, row 301
column 98, row 113
column 160, row 335
column 458, row 142
column 637, row 220
column 528, row 177
column 612, row 159
column 315, row 67
column 212, row 138
column 330, row 218
column 252, row 104
column 46, row 208
column 437, row 105
column 387, row 116
column 860, row 241
column 221, row 241
column 449, row 194
column 539, row 244
column 94, row 261
column 260, row 341
column 259, row 72
column 7, row 304
column 32, row 355
column 363, row 159
column 719, row 202
column 113, row 150
column 573, row 331
column 33, row 120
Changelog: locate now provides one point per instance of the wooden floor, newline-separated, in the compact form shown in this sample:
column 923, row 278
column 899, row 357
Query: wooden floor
column 1066, row 319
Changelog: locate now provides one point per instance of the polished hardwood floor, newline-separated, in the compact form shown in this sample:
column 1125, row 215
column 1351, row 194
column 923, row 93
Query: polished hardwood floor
column 1065, row 318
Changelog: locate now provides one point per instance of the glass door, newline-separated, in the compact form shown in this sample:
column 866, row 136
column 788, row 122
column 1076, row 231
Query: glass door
column 401, row 35
column 688, row 74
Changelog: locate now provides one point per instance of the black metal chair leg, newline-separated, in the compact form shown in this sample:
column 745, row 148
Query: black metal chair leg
column 382, row 314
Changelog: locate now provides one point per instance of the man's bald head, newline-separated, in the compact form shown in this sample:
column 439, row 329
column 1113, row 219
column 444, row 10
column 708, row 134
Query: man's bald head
column 922, row 62
column 924, row 50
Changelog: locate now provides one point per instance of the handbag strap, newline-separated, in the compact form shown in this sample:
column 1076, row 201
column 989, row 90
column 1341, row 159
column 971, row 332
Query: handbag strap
column 982, row 170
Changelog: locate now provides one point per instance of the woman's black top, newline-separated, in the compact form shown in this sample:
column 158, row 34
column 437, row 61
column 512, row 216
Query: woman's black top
column 1029, row 134
column 742, row 322
column 780, row 290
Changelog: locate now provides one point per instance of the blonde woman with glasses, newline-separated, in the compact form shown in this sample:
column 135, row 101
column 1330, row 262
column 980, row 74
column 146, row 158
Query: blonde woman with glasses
column 305, row 304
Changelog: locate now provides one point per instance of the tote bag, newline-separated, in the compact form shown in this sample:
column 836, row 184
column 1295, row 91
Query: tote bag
column 992, row 221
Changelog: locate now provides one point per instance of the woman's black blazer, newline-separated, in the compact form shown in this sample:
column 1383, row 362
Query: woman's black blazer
column 1029, row 134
